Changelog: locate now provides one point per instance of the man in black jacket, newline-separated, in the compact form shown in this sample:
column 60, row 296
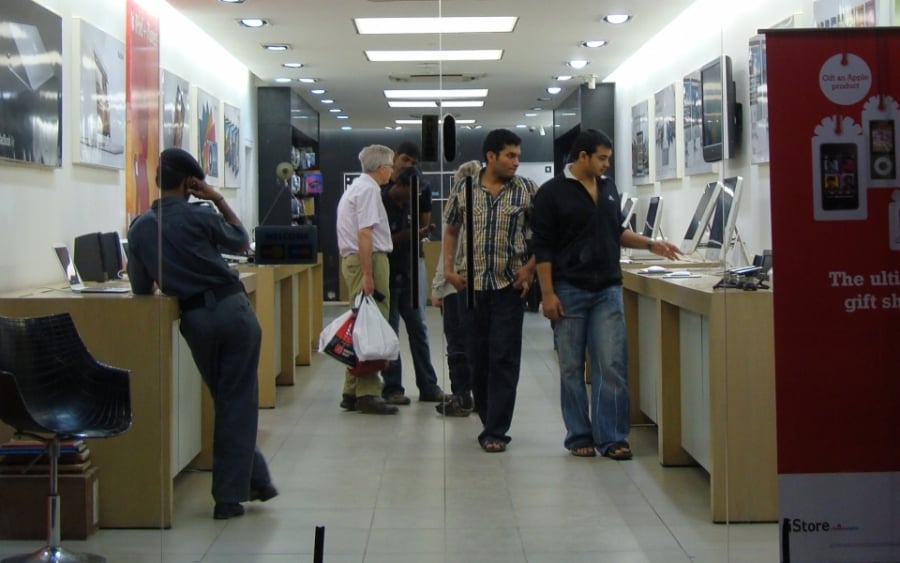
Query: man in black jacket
column 577, row 233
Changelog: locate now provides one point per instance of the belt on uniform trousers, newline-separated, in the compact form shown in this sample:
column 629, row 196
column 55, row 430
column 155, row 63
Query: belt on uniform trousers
column 210, row 297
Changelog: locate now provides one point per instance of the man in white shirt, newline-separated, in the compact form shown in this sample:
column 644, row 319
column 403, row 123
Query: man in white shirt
column 364, row 241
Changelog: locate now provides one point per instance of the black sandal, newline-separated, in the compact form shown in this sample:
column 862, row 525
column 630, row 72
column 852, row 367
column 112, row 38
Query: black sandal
column 620, row 451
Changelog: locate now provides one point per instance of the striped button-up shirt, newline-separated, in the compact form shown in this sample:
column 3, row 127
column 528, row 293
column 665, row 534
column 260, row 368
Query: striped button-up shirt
column 501, row 229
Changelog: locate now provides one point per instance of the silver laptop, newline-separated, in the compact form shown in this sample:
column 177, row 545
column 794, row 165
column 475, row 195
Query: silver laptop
column 74, row 279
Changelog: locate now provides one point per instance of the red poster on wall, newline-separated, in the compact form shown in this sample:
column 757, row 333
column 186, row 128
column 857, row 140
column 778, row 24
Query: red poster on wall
column 834, row 114
column 142, row 108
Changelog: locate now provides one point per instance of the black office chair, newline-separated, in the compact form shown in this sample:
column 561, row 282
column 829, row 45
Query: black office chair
column 52, row 388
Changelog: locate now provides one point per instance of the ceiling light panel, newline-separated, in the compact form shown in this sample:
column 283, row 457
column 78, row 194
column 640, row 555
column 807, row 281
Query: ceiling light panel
column 440, row 55
column 392, row 26
column 436, row 94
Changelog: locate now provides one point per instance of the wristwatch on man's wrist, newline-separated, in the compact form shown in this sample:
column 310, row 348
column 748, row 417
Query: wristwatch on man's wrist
column 650, row 246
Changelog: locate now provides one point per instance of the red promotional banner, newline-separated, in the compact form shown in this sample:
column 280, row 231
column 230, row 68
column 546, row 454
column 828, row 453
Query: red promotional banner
column 142, row 108
column 834, row 114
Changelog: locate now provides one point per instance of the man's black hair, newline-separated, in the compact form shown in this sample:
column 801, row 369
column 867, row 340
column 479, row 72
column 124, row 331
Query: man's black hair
column 588, row 141
column 497, row 139
column 408, row 148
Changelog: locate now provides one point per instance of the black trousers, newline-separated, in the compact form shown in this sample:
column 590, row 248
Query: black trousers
column 494, row 329
column 224, row 339
column 453, row 309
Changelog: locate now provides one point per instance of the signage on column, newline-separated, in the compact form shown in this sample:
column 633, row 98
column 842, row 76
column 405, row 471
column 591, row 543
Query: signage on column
column 835, row 195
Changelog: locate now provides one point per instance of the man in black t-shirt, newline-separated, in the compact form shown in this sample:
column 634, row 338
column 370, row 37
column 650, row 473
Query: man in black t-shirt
column 396, row 198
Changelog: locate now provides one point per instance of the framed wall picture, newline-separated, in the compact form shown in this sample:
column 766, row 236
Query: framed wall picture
column 30, row 84
column 665, row 146
column 100, row 87
column 640, row 143
column 232, row 138
column 176, row 108
column 207, row 134
column 693, row 127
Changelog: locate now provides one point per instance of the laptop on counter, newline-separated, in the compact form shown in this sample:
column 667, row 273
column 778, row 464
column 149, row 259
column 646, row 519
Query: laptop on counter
column 75, row 283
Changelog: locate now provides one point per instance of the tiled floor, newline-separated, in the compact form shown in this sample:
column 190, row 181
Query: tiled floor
column 416, row 488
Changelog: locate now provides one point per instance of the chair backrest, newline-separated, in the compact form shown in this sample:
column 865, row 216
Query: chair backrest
column 61, row 387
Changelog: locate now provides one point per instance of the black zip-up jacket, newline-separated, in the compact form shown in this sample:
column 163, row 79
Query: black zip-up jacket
column 579, row 238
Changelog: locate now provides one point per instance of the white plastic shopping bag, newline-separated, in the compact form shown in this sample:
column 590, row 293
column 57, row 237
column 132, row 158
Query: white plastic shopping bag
column 373, row 337
column 336, row 339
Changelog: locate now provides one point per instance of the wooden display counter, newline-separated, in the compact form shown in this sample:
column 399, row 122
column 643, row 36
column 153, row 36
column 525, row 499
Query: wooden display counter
column 703, row 363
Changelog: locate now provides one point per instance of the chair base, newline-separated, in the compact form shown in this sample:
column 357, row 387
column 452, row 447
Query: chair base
column 55, row 555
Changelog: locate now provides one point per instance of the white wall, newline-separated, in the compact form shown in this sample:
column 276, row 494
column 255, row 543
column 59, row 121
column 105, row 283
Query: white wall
column 705, row 30
column 42, row 206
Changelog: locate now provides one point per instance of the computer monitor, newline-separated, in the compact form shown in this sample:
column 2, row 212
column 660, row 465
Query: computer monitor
column 629, row 206
column 697, row 227
column 722, row 226
column 277, row 244
column 652, row 218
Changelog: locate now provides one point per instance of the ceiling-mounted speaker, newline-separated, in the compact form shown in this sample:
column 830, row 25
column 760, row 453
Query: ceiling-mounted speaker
column 429, row 138
column 284, row 170
column 449, row 138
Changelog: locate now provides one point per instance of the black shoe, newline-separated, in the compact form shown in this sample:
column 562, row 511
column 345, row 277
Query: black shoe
column 455, row 405
column 436, row 397
column 397, row 399
column 226, row 510
column 370, row 404
column 264, row 493
column 348, row 402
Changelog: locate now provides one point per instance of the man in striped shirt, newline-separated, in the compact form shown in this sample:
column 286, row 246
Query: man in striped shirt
column 503, row 272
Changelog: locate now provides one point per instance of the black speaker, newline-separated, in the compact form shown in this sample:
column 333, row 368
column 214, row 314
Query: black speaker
column 429, row 138
column 449, row 138
column 88, row 257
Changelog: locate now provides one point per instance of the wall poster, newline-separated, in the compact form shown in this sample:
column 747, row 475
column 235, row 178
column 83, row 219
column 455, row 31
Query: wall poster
column 693, row 131
column 142, row 109
column 207, row 135
column 666, row 147
column 176, row 107
column 30, row 84
column 232, row 137
column 640, row 143
column 100, row 86
column 835, row 121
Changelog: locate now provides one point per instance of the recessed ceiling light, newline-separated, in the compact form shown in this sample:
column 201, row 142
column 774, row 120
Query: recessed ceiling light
column 308, row 80
column 433, row 94
column 317, row 91
column 342, row 116
column 563, row 77
column 292, row 65
column 476, row 127
column 232, row 1
column 382, row 26
column 537, row 109
column 327, row 101
column 408, row 121
column 594, row 43
column 276, row 46
column 616, row 19
column 543, row 99
column 530, row 115
column 521, row 126
column 282, row 79
column 436, row 55
column 253, row 22
column 553, row 90
column 346, row 128
column 335, row 110
column 578, row 63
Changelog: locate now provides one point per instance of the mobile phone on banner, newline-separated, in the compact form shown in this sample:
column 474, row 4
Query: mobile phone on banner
column 838, row 158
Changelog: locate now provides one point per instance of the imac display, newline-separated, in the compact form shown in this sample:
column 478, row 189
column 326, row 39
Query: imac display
column 628, row 209
column 652, row 219
column 697, row 226
column 722, row 226
column 720, row 114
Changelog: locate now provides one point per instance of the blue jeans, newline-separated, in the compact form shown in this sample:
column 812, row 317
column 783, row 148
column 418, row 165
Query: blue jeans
column 426, row 378
column 593, row 321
